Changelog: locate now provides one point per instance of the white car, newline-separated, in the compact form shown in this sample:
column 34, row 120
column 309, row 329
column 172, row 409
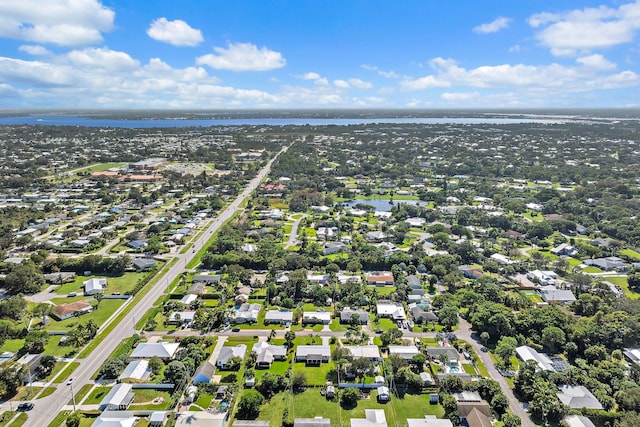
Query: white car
column 70, row 380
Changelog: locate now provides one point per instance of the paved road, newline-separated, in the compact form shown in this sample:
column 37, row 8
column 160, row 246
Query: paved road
column 47, row 408
column 464, row 332
column 293, row 236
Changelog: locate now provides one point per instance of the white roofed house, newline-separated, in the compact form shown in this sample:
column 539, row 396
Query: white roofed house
column 391, row 310
column 118, row 399
column 404, row 351
column 181, row 318
column 266, row 354
column 316, row 317
column 371, row 352
column 164, row 350
column 247, row 313
column 372, row 418
column 278, row 317
column 226, row 353
column 95, row 286
column 136, row 371
column 526, row 353
column 313, row 354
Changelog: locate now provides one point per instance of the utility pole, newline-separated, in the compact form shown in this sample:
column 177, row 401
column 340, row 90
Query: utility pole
column 73, row 398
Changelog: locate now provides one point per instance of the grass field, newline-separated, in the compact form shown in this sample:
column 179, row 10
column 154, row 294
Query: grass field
column 105, row 309
column 630, row 253
column 121, row 284
column 310, row 404
column 621, row 281
column 97, row 395
column 317, row 375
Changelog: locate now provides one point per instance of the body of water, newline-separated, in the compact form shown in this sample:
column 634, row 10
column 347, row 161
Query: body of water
column 70, row 120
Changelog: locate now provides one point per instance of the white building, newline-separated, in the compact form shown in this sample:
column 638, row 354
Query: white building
column 95, row 286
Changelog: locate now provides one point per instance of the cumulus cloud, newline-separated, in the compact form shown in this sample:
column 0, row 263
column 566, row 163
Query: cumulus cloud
column 315, row 77
column 494, row 26
column 360, row 84
column 34, row 50
column 590, row 72
column 385, row 74
column 569, row 33
column 243, row 57
column 460, row 96
column 342, row 84
column 177, row 33
column 102, row 58
column 60, row 22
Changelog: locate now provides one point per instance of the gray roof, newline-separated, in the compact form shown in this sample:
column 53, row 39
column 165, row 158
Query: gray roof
column 137, row 370
column 118, row 395
column 163, row 350
column 306, row 350
column 312, row 422
column 578, row 397
column 250, row 423
column 227, row 353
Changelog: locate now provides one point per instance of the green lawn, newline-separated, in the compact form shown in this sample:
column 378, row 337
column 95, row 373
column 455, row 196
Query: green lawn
column 97, row 395
column 630, row 253
column 80, row 394
column 22, row 418
column 145, row 400
column 336, row 326
column 100, row 315
column 66, row 372
column 383, row 291
column 121, row 284
column 310, row 404
column 621, row 281
column 13, row 345
column 317, row 375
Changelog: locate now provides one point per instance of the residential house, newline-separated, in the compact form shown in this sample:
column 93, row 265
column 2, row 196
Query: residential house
column 391, row 310
column 414, row 282
column 420, row 315
column 429, row 421
column 312, row 422
column 60, row 277
column 610, row 263
column 551, row 294
column 578, row 397
column 164, row 350
column 577, row 421
column 632, row 355
column 266, row 354
column 371, row 352
column 183, row 318
column 334, row 248
column 67, row 311
column 526, row 353
column 209, row 279
column 278, row 317
column 188, row 299
column 471, row 272
column 347, row 312
column 416, row 222
column 475, row 414
column 33, row 364
column 226, row 353
column 247, row 313
column 379, row 278
column 372, row 418
column 250, row 423
column 137, row 245
column 404, row 351
column 204, row 373
column 143, row 264
column 543, row 277
column 115, row 419
column 199, row 419
column 118, row 399
column 95, row 286
column 313, row 354
column 136, row 371
column 316, row 317
column 564, row 249
column 435, row 353
column 375, row 236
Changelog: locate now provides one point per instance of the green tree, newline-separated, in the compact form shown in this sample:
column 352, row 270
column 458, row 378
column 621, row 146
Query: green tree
column 349, row 397
column 289, row 337
column 36, row 341
column 553, row 339
column 511, row 420
column 448, row 316
column 249, row 405
column 73, row 420
column 156, row 364
column 298, row 379
column 505, row 348
column 24, row 278
column 176, row 373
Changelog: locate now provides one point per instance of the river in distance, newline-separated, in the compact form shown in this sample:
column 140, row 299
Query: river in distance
column 70, row 120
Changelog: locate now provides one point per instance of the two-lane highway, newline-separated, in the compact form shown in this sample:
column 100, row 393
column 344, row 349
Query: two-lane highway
column 47, row 408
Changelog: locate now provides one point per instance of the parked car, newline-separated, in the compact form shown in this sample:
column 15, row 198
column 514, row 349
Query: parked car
column 235, row 330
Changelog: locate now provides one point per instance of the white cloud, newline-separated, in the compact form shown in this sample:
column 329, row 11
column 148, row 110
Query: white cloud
column 102, row 58
column 589, row 74
column 177, row 33
column 385, row 74
column 596, row 61
column 586, row 29
column 515, row 48
column 315, row 77
column 460, row 96
column 60, row 22
column 360, row 84
column 494, row 26
column 34, row 50
column 243, row 57
column 342, row 84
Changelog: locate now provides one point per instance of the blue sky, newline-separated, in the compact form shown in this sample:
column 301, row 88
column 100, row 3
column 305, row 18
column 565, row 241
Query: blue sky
column 214, row 54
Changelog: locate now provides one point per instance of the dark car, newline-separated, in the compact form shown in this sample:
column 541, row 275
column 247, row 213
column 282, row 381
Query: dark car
column 26, row 406
column 379, row 331
column 235, row 330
